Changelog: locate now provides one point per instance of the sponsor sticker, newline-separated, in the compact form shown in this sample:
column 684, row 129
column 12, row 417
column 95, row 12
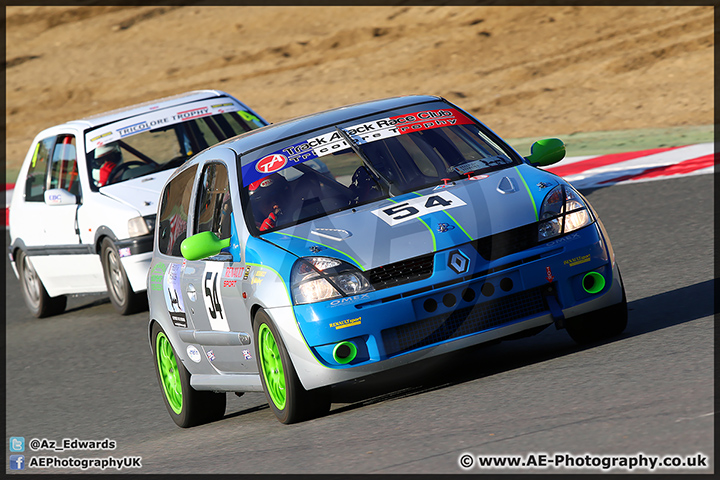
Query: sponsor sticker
column 102, row 135
column 350, row 322
column 171, row 291
column 577, row 260
column 566, row 238
column 178, row 319
column 258, row 277
column 347, row 300
column 233, row 272
column 210, row 355
column 156, row 276
column 481, row 164
column 246, row 354
column 194, row 353
column 271, row 163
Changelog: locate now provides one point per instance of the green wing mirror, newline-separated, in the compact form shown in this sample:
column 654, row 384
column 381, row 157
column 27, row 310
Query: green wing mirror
column 202, row 245
column 546, row 152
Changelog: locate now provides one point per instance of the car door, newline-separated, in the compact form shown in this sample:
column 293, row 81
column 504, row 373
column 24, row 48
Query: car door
column 216, row 282
column 58, row 250
column 32, row 204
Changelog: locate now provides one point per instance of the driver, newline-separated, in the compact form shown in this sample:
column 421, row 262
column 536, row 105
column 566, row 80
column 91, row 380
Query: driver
column 107, row 157
column 267, row 196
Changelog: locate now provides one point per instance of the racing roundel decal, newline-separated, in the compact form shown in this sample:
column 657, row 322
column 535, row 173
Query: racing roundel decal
column 271, row 163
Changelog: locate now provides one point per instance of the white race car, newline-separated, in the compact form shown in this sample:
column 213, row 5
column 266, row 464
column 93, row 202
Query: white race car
column 83, row 210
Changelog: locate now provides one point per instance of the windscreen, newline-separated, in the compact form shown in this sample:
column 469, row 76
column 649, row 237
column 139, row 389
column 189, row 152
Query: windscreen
column 354, row 165
column 162, row 139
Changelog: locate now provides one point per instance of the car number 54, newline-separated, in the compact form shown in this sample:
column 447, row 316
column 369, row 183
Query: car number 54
column 417, row 207
column 214, row 305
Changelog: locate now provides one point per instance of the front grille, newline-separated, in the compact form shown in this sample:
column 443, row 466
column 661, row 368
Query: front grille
column 464, row 321
column 400, row 273
column 507, row 242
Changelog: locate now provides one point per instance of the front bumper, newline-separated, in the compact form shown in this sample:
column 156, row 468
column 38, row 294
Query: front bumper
column 136, row 268
column 449, row 310
column 136, row 256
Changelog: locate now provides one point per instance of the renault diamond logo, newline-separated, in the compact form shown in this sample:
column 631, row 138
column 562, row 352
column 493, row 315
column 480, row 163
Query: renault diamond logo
column 458, row 262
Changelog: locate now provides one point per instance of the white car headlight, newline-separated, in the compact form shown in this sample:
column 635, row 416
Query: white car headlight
column 315, row 279
column 562, row 211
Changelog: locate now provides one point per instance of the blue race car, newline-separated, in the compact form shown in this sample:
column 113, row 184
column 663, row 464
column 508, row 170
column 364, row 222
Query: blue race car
column 365, row 238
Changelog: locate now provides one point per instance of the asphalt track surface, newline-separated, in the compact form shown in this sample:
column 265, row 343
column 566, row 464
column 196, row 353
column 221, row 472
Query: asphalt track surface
column 88, row 374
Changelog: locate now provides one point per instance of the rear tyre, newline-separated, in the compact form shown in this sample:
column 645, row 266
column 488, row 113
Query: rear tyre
column 36, row 297
column 122, row 296
column 601, row 324
column 288, row 400
column 187, row 407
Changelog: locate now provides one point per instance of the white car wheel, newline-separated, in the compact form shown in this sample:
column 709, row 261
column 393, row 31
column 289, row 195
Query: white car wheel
column 36, row 297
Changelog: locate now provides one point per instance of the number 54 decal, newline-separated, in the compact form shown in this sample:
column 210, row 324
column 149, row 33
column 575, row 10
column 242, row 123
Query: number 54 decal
column 212, row 296
column 417, row 207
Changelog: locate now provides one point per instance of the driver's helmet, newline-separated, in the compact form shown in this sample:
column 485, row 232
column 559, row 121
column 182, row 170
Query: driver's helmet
column 107, row 157
column 266, row 193
column 108, row 153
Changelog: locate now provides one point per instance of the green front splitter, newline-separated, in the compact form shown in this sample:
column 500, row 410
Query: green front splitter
column 169, row 374
column 271, row 365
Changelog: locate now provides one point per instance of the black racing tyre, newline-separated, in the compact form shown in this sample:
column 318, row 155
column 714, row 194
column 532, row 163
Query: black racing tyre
column 36, row 297
column 187, row 407
column 601, row 324
column 122, row 296
column 288, row 399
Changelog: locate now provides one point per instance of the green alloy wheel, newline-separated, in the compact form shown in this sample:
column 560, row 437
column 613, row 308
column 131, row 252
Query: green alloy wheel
column 187, row 407
column 169, row 374
column 272, row 368
column 288, row 400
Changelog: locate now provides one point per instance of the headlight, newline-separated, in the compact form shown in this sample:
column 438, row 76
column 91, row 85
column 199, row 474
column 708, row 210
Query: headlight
column 315, row 279
column 141, row 225
column 561, row 212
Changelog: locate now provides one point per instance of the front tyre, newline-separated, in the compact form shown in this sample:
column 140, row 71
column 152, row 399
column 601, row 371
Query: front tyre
column 122, row 296
column 187, row 407
column 601, row 324
column 36, row 297
column 288, row 400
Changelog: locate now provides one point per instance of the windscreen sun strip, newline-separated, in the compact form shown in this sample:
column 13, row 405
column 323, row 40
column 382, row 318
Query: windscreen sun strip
column 331, row 142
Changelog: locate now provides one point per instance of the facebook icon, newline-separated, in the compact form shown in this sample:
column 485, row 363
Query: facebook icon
column 17, row 462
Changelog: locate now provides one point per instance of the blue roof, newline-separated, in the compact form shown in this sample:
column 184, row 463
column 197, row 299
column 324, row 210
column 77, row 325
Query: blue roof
column 290, row 128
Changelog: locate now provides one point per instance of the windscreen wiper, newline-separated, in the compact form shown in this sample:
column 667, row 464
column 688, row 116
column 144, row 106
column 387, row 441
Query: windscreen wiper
column 366, row 161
